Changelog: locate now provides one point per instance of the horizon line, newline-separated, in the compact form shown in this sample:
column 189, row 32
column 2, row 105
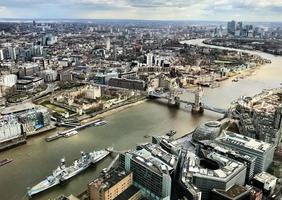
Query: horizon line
column 110, row 19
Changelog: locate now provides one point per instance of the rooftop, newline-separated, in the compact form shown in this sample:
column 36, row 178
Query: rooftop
column 157, row 151
column 129, row 192
column 214, row 166
column 247, row 142
column 265, row 177
column 106, row 181
column 233, row 192
column 24, row 81
column 18, row 108
column 145, row 157
column 29, row 65
column 223, row 149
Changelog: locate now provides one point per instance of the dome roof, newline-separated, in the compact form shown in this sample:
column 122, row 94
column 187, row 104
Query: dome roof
column 207, row 131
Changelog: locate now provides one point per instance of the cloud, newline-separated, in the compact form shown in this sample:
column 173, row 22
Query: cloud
column 145, row 9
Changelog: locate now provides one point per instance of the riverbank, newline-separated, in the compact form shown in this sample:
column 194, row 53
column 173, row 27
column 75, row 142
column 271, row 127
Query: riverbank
column 245, row 44
column 235, row 65
column 246, row 73
column 113, row 110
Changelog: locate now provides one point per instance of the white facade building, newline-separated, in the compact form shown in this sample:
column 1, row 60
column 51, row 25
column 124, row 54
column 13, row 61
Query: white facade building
column 150, row 57
column 108, row 44
column 8, row 80
column 9, row 128
column 1, row 54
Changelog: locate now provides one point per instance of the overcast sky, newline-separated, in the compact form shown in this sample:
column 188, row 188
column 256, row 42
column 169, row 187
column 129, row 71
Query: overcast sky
column 223, row 10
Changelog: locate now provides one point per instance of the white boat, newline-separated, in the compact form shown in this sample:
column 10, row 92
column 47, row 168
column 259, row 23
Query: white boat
column 63, row 173
column 83, row 163
column 99, row 155
column 71, row 133
column 100, row 123
column 49, row 182
column 78, row 166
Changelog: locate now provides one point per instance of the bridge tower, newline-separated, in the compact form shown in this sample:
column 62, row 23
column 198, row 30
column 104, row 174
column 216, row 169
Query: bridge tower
column 174, row 99
column 198, row 102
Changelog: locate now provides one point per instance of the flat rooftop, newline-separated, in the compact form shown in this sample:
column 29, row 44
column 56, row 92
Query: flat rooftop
column 146, row 158
column 128, row 193
column 24, row 81
column 243, row 141
column 265, row 177
column 224, row 149
column 233, row 192
column 157, row 151
column 18, row 108
column 104, row 182
column 193, row 167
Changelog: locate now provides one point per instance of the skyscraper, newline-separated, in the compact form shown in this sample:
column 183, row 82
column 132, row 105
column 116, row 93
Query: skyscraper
column 150, row 57
column 231, row 27
column 108, row 44
column 261, row 150
column 1, row 54
column 150, row 174
column 12, row 53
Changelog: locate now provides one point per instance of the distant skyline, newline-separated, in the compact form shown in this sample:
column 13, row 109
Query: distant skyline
column 218, row 10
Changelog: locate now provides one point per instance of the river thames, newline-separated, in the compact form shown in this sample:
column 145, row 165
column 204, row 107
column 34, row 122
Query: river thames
column 126, row 128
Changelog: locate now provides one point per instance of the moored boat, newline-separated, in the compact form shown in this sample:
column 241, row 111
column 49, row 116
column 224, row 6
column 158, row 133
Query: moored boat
column 5, row 161
column 63, row 173
column 51, row 181
column 100, row 123
column 77, row 166
column 71, row 133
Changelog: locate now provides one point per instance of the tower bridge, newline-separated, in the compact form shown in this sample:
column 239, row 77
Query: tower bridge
column 173, row 97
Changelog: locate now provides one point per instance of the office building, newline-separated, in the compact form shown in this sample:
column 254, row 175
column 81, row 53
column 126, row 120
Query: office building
column 104, row 78
column 150, row 59
column 28, row 69
column 231, row 27
column 9, row 128
column 12, row 53
column 108, row 44
column 151, row 175
column 8, row 80
column 115, row 184
column 261, row 116
column 49, row 75
column 261, row 150
column 1, row 54
column 65, row 75
column 11, row 133
column 34, row 119
column 36, row 81
column 36, row 51
column 265, row 182
column 24, row 85
column 211, row 171
column 249, row 161
column 49, row 39
column 127, row 83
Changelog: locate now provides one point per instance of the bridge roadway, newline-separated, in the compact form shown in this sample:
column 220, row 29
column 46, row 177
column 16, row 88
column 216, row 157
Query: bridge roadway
column 167, row 96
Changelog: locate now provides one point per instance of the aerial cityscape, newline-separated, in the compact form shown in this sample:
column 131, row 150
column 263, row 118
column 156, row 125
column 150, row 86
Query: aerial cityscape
column 140, row 100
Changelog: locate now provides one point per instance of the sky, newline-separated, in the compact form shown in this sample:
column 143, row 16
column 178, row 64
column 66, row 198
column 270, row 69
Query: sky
column 219, row 10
